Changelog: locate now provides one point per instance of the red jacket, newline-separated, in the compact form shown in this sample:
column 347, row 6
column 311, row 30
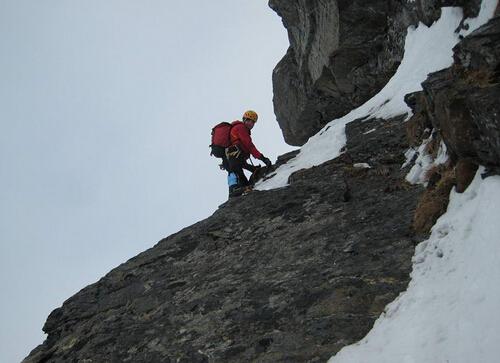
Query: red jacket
column 240, row 136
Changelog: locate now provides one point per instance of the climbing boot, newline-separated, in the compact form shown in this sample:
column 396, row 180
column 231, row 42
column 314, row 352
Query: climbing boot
column 235, row 191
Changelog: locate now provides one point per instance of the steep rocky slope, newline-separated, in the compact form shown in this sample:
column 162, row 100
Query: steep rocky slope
column 285, row 275
column 459, row 108
column 461, row 102
column 296, row 273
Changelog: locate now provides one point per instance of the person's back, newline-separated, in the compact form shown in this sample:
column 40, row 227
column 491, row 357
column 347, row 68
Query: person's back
column 240, row 136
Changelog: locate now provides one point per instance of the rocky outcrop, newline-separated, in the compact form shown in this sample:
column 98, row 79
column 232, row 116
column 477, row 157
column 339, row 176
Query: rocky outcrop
column 459, row 106
column 341, row 54
column 287, row 275
column 461, row 102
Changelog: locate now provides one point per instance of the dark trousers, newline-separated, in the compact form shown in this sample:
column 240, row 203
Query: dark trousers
column 220, row 152
column 236, row 165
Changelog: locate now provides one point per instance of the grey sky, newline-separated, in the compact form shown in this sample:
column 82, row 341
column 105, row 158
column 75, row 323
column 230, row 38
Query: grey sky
column 106, row 108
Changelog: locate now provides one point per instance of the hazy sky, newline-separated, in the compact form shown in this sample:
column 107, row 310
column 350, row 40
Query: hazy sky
column 106, row 108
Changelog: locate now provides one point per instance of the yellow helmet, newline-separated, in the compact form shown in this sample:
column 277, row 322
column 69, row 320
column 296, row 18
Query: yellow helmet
column 250, row 115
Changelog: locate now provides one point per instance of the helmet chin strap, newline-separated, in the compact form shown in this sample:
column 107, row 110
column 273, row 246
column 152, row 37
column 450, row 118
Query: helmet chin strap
column 249, row 123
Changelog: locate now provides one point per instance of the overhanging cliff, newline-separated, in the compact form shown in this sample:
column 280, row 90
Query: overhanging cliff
column 341, row 54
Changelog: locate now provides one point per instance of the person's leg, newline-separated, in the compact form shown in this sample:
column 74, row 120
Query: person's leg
column 236, row 167
column 232, row 182
column 225, row 163
column 251, row 168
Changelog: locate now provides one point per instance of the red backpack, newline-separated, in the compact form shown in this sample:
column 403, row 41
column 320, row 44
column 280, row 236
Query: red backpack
column 220, row 139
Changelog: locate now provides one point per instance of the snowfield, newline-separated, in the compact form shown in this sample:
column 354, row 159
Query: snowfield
column 450, row 311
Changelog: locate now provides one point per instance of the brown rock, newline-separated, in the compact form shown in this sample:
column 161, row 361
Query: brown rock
column 418, row 127
column 465, row 171
column 462, row 101
column 433, row 203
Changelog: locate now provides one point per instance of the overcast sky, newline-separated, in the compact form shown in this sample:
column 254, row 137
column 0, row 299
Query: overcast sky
column 106, row 108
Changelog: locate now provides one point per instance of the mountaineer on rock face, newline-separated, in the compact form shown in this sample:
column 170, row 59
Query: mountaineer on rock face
column 233, row 144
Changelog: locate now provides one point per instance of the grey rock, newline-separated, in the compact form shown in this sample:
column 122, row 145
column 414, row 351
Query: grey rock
column 287, row 275
column 461, row 102
column 341, row 54
column 428, row 11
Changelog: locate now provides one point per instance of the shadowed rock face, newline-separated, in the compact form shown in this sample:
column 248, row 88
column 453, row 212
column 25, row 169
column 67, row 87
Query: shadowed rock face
column 288, row 275
column 342, row 52
column 462, row 102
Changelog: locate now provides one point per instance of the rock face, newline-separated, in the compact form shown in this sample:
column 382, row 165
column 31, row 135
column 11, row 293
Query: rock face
column 294, row 274
column 459, row 106
column 462, row 102
column 288, row 275
column 342, row 52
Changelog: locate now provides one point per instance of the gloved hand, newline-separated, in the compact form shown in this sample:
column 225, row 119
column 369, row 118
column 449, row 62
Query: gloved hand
column 266, row 161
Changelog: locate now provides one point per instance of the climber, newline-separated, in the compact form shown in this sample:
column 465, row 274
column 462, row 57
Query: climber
column 239, row 151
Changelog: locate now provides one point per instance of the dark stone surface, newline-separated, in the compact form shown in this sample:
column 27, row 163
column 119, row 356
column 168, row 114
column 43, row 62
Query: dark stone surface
column 287, row 275
column 342, row 52
column 462, row 101
column 478, row 69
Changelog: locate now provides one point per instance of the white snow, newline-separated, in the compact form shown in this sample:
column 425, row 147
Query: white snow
column 487, row 11
column 442, row 155
column 437, row 40
column 450, row 312
column 369, row 131
column 424, row 161
column 362, row 165
column 427, row 49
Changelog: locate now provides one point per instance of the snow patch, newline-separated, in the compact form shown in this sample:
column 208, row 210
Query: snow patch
column 486, row 12
column 362, row 166
column 449, row 312
column 424, row 161
column 427, row 49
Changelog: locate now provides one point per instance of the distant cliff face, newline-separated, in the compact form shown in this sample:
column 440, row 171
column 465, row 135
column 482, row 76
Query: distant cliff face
column 342, row 52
